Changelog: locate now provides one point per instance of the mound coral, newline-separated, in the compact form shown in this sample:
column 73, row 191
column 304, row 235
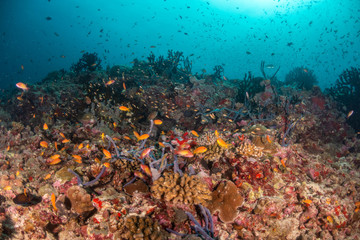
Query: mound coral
column 186, row 189
column 80, row 200
column 225, row 200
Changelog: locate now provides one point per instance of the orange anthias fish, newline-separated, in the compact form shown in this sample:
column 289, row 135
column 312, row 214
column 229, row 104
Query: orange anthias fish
column 184, row 153
column 146, row 169
column 54, row 161
column 22, row 86
column 77, row 158
column 109, row 82
column 124, row 86
column 45, row 126
column 107, row 153
column 200, row 150
column 195, row 133
column 350, row 113
column 145, row 153
column 139, row 175
column 143, row 137
column 268, row 139
column 137, row 135
column 307, row 201
column 53, row 201
column 123, row 108
column 158, row 122
column 44, row 144
column 222, row 143
column 106, row 164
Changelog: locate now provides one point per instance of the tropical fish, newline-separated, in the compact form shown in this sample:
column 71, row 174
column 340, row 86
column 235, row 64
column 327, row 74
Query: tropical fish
column 44, row 144
column 200, row 150
column 80, row 146
column 137, row 135
column 146, row 169
column 139, row 175
column 6, row 188
column 65, row 141
column 350, row 113
column 330, row 219
column 184, row 153
column 194, row 133
column 47, row 176
column 77, row 158
column 45, row 126
column 63, row 135
column 307, row 201
column 22, row 86
column 106, row 164
column 161, row 144
column 127, row 137
column 107, row 153
column 157, row 122
column 145, row 152
column 54, row 161
column 268, row 139
column 124, row 86
column 53, row 198
column 123, row 108
column 222, row 143
column 22, row 67
column 143, row 137
column 109, row 82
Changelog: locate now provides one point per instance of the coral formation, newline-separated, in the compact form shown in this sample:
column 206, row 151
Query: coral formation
column 176, row 189
column 346, row 92
column 80, row 200
column 301, row 77
column 136, row 227
column 225, row 200
column 248, row 149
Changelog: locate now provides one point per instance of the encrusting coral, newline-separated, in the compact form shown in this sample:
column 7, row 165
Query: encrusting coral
column 80, row 199
column 186, row 189
column 225, row 200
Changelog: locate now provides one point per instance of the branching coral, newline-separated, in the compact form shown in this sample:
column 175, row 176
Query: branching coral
column 346, row 91
column 248, row 149
column 301, row 78
column 88, row 62
column 186, row 189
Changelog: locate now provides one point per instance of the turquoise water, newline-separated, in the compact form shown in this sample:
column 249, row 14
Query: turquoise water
column 47, row 35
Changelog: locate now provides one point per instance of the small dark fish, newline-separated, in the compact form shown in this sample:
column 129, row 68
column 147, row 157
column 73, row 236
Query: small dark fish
column 56, row 34
column 248, row 53
column 26, row 199
column 289, row 44
column 48, row 18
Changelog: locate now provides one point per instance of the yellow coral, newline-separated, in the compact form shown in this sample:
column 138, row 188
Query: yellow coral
column 186, row 189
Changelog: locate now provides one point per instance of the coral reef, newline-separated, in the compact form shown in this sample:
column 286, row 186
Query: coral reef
column 153, row 152
column 180, row 189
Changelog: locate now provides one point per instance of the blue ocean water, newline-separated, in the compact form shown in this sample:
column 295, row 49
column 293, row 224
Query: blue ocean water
column 39, row 36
